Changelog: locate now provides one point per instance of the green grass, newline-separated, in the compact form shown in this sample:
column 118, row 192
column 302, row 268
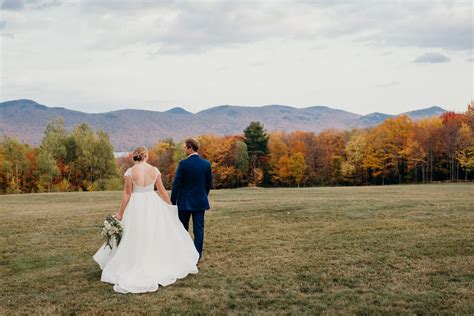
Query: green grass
column 406, row 249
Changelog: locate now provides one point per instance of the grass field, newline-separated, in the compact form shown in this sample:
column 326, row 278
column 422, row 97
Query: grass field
column 300, row 251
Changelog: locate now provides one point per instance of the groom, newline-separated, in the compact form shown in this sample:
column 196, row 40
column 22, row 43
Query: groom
column 191, row 186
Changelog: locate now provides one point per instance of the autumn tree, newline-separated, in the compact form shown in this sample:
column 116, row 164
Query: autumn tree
column 297, row 167
column 15, row 166
column 416, row 157
column 232, row 162
column 469, row 115
column 449, row 134
column 229, row 159
column 162, row 156
column 425, row 145
column 385, row 148
column 465, row 151
column 353, row 166
column 329, row 148
column 303, row 142
column 278, row 159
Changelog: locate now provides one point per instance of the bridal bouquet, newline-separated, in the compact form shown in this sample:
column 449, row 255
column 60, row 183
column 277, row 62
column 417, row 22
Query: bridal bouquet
column 112, row 231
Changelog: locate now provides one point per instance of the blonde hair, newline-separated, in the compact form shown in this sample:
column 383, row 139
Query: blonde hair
column 140, row 153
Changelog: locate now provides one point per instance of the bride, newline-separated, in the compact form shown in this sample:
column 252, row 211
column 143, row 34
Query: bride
column 155, row 248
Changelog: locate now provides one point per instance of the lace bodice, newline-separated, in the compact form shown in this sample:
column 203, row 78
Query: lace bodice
column 139, row 188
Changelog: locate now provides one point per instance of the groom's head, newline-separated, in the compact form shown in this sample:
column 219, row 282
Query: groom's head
column 191, row 145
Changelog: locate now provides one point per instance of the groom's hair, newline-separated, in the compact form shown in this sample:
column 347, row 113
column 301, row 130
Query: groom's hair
column 192, row 143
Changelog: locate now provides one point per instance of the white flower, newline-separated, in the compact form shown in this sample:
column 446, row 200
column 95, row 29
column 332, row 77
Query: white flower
column 112, row 230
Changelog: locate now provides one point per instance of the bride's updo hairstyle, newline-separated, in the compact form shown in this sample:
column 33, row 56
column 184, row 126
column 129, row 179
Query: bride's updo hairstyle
column 139, row 154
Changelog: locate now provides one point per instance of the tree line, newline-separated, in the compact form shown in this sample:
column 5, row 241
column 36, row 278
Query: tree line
column 399, row 150
column 78, row 161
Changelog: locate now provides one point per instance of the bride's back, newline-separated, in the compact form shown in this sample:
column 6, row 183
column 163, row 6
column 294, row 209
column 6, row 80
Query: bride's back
column 143, row 174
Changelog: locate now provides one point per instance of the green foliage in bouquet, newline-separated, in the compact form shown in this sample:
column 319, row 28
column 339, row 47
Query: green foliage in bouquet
column 112, row 230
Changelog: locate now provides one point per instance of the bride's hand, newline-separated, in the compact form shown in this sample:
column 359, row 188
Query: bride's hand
column 118, row 216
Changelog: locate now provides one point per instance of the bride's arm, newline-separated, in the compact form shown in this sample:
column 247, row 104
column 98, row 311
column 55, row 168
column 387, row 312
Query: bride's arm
column 161, row 190
column 127, row 191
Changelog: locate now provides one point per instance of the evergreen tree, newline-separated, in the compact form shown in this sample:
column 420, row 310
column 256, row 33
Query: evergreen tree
column 256, row 139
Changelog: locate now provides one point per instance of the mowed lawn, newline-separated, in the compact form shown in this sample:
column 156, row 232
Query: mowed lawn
column 273, row 251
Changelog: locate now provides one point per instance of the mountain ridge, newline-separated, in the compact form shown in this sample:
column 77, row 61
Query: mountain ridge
column 26, row 119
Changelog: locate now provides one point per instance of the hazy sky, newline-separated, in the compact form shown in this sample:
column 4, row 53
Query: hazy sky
column 360, row 56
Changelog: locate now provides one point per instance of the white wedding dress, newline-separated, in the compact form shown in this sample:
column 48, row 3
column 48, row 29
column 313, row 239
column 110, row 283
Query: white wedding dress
column 155, row 248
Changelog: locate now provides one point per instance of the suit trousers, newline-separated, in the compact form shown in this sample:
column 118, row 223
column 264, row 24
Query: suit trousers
column 198, row 226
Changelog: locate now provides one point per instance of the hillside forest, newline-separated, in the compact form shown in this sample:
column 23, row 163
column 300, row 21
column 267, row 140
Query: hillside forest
column 398, row 150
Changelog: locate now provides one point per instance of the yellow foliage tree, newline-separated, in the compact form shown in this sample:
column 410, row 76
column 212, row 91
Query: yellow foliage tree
column 297, row 167
column 465, row 153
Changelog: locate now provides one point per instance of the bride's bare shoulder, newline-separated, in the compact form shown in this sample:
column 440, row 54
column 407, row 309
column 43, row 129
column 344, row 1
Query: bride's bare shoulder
column 149, row 166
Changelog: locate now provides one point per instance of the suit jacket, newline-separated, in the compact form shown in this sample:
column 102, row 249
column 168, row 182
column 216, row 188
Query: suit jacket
column 192, row 184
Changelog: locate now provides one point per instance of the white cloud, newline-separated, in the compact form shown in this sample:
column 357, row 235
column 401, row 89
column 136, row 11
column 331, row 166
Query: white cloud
column 96, row 55
column 388, row 84
column 194, row 26
column 12, row 5
column 18, row 5
column 432, row 58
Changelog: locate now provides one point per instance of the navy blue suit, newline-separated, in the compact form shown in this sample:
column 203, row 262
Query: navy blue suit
column 191, row 187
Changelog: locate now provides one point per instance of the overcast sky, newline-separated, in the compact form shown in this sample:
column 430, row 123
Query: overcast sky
column 360, row 56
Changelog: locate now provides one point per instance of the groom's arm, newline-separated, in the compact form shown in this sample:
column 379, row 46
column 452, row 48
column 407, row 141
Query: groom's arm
column 176, row 184
column 208, row 179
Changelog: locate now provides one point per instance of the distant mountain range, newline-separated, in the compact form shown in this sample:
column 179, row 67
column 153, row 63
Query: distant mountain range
column 27, row 120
